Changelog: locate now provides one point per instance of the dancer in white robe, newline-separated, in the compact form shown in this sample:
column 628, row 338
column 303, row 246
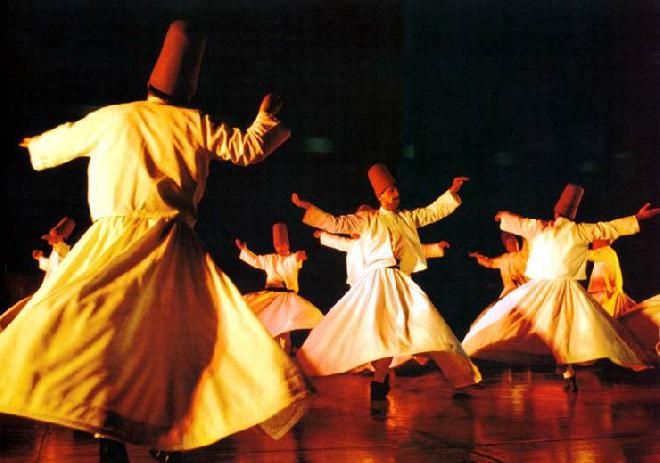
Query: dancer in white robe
column 139, row 336
column 355, row 270
column 511, row 264
column 279, row 306
column 352, row 248
column 56, row 237
column 552, row 316
column 385, row 314
column 606, row 280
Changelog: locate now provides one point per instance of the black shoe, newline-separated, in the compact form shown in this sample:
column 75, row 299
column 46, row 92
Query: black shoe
column 570, row 384
column 166, row 457
column 378, row 391
column 112, row 451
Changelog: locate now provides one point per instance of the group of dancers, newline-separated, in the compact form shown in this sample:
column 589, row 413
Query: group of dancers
column 139, row 337
column 542, row 314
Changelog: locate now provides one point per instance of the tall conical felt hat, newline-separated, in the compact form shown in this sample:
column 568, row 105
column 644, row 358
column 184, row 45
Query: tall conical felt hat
column 380, row 178
column 176, row 71
column 569, row 201
column 63, row 229
column 280, row 235
column 510, row 241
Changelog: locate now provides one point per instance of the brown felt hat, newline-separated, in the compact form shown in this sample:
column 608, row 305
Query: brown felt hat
column 280, row 235
column 61, row 231
column 568, row 202
column 176, row 71
column 380, row 178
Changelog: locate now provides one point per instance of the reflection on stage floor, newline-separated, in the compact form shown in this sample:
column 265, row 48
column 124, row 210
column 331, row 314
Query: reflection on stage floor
column 521, row 414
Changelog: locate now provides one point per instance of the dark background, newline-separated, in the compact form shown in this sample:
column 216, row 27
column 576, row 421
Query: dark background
column 520, row 96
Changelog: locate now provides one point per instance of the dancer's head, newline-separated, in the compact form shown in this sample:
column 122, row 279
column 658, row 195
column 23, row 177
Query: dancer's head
column 176, row 72
column 384, row 187
column 281, row 239
column 568, row 202
column 61, row 231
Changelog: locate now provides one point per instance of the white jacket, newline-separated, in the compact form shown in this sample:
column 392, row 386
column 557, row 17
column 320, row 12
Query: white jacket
column 387, row 238
column 558, row 248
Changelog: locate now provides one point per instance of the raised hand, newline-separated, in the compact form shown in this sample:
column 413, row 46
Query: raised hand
column 646, row 212
column 457, row 183
column 240, row 244
column 481, row 259
column 271, row 104
column 37, row 254
column 295, row 199
column 301, row 255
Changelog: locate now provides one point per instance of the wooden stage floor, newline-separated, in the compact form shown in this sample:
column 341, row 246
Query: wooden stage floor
column 520, row 415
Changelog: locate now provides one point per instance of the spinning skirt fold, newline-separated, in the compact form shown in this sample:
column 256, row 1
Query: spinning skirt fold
column 385, row 314
column 139, row 336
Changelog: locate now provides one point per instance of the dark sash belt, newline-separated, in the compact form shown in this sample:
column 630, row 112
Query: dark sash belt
column 276, row 289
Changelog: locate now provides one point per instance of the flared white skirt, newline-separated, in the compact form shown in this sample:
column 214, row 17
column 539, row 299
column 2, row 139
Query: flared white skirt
column 615, row 304
column 551, row 319
column 140, row 337
column 643, row 321
column 385, row 314
column 282, row 312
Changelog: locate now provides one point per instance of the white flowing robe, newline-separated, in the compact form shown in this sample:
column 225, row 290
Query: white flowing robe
column 280, row 312
column 643, row 321
column 552, row 315
column 139, row 336
column 50, row 263
column 606, row 282
column 385, row 313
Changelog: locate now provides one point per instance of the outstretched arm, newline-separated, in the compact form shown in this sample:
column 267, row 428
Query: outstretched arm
column 248, row 256
column 513, row 223
column 65, row 142
column 432, row 250
column 482, row 260
column 295, row 199
column 340, row 243
column 440, row 208
column 262, row 138
column 612, row 229
column 315, row 217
